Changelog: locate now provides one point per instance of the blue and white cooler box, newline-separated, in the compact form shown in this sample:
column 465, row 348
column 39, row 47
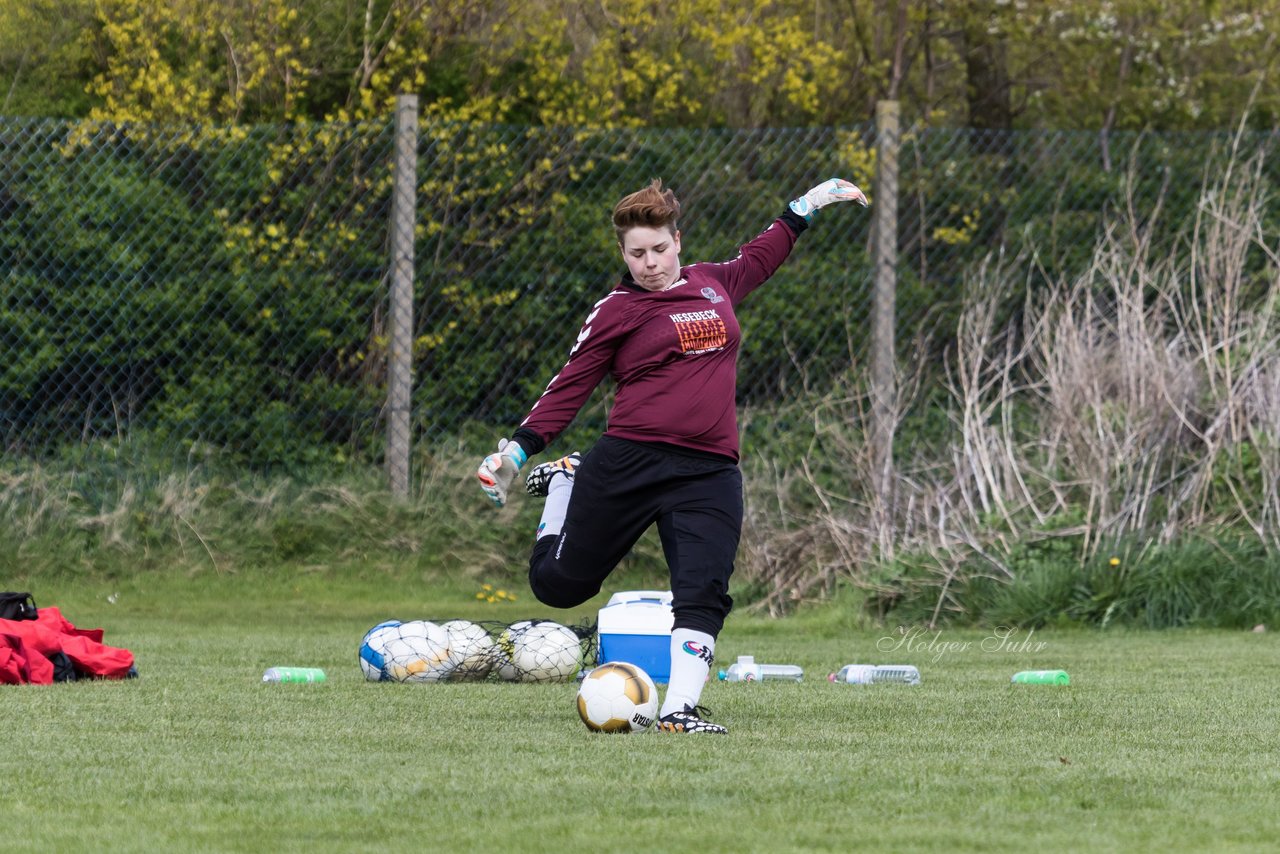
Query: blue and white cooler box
column 635, row 626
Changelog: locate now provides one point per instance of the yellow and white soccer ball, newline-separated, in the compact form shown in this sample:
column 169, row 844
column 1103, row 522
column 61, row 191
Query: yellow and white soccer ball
column 617, row 697
column 505, row 648
column 418, row 652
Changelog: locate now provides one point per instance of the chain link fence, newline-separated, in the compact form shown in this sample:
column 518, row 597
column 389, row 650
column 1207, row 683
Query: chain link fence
column 229, row 287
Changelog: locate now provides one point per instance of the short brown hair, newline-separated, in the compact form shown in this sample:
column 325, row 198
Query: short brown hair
column 652, row 207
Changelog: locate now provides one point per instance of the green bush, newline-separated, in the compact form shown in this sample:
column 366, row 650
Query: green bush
column 152, row 284
column 1228, row 581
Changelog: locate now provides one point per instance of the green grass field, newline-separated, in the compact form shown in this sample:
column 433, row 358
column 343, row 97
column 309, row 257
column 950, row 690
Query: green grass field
column 1164, row 740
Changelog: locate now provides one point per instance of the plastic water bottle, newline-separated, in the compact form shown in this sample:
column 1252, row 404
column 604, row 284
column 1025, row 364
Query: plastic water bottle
column 293, row 674
column 745, row 669
column 874, row 674
column 1041, row 677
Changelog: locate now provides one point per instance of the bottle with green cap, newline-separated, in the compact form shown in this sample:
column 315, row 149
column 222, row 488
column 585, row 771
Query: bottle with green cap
column 1041, row 677
column 293, row 674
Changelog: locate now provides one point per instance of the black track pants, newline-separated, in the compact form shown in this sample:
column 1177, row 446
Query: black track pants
column 619, row 490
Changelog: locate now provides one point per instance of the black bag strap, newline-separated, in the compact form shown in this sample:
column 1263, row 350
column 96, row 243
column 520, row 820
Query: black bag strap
column 17, row 606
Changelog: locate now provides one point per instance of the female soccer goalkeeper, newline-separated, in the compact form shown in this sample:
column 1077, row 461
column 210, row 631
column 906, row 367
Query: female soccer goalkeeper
column 669, row 337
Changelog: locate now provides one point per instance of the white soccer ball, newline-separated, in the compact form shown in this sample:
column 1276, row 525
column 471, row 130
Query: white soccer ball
column 617, row 697
column 418, row 652
column 472, row 652
column 373, row 649
column 504, row 651
column 541, row 652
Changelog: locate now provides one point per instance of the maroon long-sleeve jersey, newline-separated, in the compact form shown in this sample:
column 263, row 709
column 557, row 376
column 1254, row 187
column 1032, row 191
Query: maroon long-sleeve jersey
column 673, row 353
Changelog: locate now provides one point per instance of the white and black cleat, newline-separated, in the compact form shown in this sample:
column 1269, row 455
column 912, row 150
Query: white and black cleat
column 539, row 480
column 689, row 720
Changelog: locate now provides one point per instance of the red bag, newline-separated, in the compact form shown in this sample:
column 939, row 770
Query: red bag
column 13, row 661
column 29, row 648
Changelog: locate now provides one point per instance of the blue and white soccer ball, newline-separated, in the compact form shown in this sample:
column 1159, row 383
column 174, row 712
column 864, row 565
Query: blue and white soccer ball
column 414, row 651
column 373, row 650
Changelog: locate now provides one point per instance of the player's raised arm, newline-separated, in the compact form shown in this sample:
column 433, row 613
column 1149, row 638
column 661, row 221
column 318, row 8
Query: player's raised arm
column 760, row 258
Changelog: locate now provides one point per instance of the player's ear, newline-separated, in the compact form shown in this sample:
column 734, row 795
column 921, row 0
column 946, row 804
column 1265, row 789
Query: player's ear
column 676, row 239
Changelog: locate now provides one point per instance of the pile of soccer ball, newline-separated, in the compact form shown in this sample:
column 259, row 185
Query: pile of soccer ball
column 460, row 650
column 615, row 697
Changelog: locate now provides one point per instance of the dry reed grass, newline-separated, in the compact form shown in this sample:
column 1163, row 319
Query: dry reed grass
column 1138, row 399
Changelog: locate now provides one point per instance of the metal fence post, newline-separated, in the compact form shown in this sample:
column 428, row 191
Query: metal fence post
column 400, row 348
column 885, row 248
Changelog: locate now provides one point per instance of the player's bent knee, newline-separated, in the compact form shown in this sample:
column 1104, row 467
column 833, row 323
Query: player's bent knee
column 551, row 587
column 557, row 593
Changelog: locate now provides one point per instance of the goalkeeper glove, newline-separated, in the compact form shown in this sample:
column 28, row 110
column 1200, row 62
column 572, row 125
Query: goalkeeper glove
column 832, row 190
column 498, row 470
